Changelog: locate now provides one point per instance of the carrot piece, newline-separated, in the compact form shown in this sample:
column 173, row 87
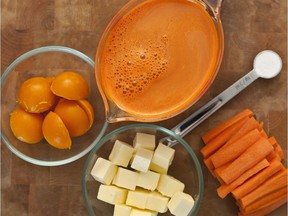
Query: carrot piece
column 265, row 201
column 209, row 165
column 275, row 183
column 279, row 151
column 255, row 181
column 222, row 138
column 273, row 155
column 255, row 153
column 265, row 210
column 225, row 189
column 223, row 126
column 219, row 170
column 264, row 134
column 261, row 124
column 250, row 125
column 277, row 147
column 272, row 140
column 231, row 151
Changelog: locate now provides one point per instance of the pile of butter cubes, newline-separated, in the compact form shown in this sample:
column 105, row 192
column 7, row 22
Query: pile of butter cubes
column 135, row 179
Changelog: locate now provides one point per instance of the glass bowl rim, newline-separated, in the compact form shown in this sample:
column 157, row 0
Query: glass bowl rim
column 10, row 68
column 181, row 141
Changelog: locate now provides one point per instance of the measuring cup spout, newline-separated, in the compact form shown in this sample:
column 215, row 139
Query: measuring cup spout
column 114, row 113
column 215, row 5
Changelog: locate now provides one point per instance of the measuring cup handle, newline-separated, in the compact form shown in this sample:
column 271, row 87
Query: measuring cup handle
column 212, row 106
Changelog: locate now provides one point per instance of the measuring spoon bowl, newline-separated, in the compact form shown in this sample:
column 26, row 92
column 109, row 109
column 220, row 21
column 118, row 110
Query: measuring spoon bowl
column 267, row 64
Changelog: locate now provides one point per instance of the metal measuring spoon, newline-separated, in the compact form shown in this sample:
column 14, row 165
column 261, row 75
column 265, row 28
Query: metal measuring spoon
column 267, row 64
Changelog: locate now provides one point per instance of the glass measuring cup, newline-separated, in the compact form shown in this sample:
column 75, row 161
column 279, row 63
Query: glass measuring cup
column 115, row 110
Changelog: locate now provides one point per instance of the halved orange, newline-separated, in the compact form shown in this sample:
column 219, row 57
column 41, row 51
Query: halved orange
column 55, row 131
column 74, row 117
column 26, row 126
column 70, row 85
column 87, row 107
column 35, row 95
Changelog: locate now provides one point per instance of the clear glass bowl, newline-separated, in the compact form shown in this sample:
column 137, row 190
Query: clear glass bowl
column 49, row 61
column 185, row 166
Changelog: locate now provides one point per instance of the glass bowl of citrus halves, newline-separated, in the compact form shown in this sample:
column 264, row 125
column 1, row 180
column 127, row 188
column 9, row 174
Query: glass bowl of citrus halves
column 51, row 110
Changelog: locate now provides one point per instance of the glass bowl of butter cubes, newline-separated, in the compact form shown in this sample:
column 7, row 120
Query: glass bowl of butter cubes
column 132, row 172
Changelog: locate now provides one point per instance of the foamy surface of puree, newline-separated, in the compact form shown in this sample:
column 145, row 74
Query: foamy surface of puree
column 158, row 57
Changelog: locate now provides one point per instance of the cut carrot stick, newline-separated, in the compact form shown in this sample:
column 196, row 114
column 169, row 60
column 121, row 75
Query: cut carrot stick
column 273, row 155
column 275, row 183
column 272, row 140
column 255, row 181
column 225, row 189
column 261, row 124
column 264, row 134
column 231, row 151
column 219, row 170
column 265, row 201
column 223, row 137
column 254, row 154
column 250, row 125
column 277, row 147
column 209, row 165
column 269, row 208
column 221, row 127
column 279, row 151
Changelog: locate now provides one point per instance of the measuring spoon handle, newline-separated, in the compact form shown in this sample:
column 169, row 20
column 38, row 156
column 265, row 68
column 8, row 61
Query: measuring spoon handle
column 212, row 106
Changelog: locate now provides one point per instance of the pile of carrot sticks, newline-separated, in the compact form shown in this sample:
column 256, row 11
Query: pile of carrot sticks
column 247, row 163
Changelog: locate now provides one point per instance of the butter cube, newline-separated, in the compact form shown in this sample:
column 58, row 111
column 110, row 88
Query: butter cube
column 168, row 185
column 112, row 194
column 157, row 202
column 162, row 158
column 121, row 153
column 126, row 178
column 139, row 212
column 137, row 198
column 163, row 168
column 148, row 180
column 181, row 204
column 104, row 171
column 142, row 159
column 122, row 210
column 143, row 140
